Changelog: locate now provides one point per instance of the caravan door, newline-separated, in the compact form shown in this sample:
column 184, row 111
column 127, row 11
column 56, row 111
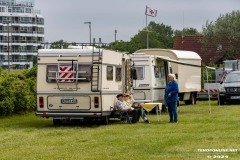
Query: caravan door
column 151, row 79
column 160, row 80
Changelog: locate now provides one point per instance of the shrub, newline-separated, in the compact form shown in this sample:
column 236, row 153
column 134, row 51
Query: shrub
column 6, row 106
column 17, row 92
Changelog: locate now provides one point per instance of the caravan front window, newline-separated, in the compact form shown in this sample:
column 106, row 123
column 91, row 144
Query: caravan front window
column 140, row 72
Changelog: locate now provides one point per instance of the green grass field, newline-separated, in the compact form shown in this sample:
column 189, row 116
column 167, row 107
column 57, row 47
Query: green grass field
column 30, row 137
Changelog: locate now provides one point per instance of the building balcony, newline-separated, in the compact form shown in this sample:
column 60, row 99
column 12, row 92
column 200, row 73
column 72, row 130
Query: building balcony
column 19, row 52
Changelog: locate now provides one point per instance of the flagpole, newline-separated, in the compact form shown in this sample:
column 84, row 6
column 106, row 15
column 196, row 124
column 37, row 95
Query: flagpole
column 147, row 29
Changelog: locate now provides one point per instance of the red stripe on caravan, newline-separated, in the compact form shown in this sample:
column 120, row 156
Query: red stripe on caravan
column 203, row 90
column 65, row 75
column 70, row 75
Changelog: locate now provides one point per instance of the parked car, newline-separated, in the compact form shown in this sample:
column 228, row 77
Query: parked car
column 230, row 88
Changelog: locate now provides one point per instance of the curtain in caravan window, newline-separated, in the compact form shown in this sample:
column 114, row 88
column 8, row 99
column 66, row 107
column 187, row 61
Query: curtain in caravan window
column 140, row 72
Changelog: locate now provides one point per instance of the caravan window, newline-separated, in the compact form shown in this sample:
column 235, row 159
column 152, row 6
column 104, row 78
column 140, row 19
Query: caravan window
column 119, row 73
column 51, row 73
column 161, row 70
column 156, row 71
column 84, row 71
column 110, row 73
column 140, row 72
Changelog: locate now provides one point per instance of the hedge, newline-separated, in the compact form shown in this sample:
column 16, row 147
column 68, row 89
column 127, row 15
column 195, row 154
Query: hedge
column 17, row 91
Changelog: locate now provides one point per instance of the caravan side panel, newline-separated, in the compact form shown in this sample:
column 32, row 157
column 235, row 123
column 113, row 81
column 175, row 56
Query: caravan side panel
column 189, row 78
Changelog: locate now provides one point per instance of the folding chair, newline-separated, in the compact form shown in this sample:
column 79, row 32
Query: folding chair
column 124, row 116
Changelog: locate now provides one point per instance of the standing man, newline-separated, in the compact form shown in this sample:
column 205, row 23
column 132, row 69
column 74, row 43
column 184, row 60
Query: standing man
column 171, row 98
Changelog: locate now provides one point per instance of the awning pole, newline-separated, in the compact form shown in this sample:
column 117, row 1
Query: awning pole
column 208, row 91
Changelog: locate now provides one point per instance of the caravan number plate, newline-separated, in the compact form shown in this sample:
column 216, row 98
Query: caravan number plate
column 235, row 97
column 69, row 101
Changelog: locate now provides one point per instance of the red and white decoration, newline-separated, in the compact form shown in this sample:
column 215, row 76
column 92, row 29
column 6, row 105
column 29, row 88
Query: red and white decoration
column 212, row 92
column 65, row 74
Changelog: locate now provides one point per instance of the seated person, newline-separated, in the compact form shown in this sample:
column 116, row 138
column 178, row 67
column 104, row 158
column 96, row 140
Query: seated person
column 129, row 101
column 122, row 105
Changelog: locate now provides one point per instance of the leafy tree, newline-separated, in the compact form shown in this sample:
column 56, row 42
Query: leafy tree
column 59, row 44
column 140, row 40
column 224, row 29
column 123, row 46
column 187, row 32
column 164, row 34
column 31, row 72
column 1, row 70
column 160, row 36
column 34, row 60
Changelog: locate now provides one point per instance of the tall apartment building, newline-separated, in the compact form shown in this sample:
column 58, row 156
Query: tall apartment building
column 21, row 32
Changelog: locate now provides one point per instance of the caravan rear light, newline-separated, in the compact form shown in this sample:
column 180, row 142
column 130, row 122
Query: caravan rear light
column 96, row 102
column 41, row 102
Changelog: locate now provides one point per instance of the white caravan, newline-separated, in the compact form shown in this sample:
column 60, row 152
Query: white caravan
column 152, row 67
column 80, row 82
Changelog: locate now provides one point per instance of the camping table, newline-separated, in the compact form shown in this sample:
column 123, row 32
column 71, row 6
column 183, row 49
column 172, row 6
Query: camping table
column 149, row 106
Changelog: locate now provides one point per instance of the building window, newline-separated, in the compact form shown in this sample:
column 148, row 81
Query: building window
column 28, row 10
column 219, row 47
column 2, row 9
column 110, row 73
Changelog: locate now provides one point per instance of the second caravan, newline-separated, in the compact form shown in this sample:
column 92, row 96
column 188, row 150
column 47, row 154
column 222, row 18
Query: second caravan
column 152, row 67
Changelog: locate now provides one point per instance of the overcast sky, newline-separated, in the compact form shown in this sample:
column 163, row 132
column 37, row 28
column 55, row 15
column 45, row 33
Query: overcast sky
column 64, row 19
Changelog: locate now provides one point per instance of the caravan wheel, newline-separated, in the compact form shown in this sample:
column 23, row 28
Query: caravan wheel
column 57, row 122
column 192, row 101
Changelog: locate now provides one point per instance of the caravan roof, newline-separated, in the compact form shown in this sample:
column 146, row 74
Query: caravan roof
column 177, row 54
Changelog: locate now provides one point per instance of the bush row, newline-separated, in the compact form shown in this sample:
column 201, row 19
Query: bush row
column 17, row 91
